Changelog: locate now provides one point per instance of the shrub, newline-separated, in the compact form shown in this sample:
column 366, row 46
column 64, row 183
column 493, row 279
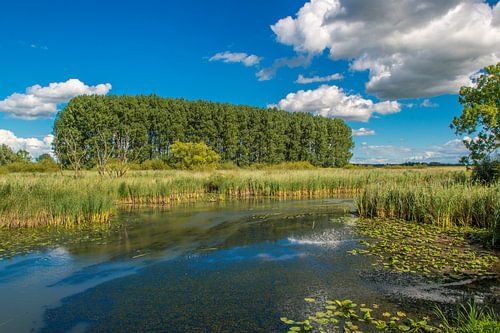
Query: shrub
column 193, row 156
column 228, row 165
column 486, row 172
column 155, row 164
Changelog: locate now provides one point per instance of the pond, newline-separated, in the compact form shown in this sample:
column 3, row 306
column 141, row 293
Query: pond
column 219, row 267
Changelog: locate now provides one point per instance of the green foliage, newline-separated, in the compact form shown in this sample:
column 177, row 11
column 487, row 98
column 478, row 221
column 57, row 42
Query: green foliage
column 481, row 116
column 486, row 172
column 193, row 156
column 7, row 156
column 44, row 157
column 155, row 164
column 23, row 156
column 346, row 316
column 168, row 186
column 140, row 128
column 470, row 318
column 444, row 254
column 445, row 204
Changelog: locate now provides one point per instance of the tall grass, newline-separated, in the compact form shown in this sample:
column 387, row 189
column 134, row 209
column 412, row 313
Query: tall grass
column 31, row 199
column 445, row 206
column 41, row 202
column 470, row 318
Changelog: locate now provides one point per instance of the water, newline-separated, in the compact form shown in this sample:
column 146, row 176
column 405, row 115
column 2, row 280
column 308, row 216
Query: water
column 233, row 267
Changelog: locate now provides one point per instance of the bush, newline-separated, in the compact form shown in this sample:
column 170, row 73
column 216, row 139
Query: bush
column 193, row 156
column 486, row 172
column 155, row 164
column 45, row 165
column 228, row 165
column 40, row 166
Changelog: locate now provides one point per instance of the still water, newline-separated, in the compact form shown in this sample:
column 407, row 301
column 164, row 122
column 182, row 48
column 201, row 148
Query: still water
column 232, row 267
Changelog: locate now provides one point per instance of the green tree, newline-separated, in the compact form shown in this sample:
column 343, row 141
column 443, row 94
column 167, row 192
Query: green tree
column 7, row 155
column 480, row 115
column 44, row 157
column 93, row 130
column 188, row 155
column 480, row 119
column 23, row 156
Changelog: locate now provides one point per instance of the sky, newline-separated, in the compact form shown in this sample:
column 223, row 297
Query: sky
column 391, row 69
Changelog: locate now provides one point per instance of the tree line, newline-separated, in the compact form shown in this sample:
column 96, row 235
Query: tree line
column 92, row 130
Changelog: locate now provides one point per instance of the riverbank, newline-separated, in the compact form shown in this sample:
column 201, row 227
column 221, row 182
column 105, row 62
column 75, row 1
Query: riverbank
column 28, row 199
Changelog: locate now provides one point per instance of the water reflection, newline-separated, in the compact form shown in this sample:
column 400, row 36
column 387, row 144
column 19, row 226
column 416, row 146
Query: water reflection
column 231, row 267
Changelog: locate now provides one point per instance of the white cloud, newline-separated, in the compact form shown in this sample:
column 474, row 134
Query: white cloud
column 334, row 102
column 362, row 132
column 39, row 102
column 449, row 152
column 413, row 48
column 305, row 80
column 427, row 103
column 34, row 146
column 238, row 57
column 266, row 74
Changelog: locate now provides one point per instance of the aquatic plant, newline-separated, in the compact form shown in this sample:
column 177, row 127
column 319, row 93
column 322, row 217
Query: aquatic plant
column 425, row 249
column 346, row 316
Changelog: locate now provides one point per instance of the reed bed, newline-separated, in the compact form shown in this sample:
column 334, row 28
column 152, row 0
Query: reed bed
column 29, row 199
column 445, row 206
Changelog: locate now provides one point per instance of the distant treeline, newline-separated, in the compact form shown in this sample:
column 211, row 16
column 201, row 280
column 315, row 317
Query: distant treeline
column 139, row 128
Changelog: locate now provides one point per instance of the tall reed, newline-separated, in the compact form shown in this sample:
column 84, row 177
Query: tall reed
column 445, row 206
column 28, row 199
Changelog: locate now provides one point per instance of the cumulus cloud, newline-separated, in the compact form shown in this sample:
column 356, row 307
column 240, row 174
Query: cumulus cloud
column 305, row 80
column 34, row 146
column 449, row 152
column 40, row 102
column 237, row 57
column 412, row 48
column 427, row 103
column 362, row 132
column 334, row 102
column 268, row 73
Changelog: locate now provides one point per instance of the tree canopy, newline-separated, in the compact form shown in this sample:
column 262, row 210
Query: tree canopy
column 480, row 115
column 7, row 155
column 140, row 128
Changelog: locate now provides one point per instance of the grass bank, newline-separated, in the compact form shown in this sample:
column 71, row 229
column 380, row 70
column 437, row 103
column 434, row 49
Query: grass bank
column 444, row 206
column 29, row 199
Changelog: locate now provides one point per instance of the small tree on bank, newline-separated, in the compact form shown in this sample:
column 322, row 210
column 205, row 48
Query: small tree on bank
column 193, row 156
column 481, row 117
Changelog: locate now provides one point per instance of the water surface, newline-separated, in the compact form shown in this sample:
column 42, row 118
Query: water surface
column 232, row 267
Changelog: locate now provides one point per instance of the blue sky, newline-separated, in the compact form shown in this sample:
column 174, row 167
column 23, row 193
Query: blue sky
column 398, row 88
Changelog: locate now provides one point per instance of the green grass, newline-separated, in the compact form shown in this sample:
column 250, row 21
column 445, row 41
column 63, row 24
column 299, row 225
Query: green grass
column 443, row 205
column 29, row 199
column 471, row 318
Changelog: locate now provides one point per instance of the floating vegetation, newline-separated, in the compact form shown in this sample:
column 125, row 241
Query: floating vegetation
column 26, row 240
column 347, row 316
column 425, row 249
